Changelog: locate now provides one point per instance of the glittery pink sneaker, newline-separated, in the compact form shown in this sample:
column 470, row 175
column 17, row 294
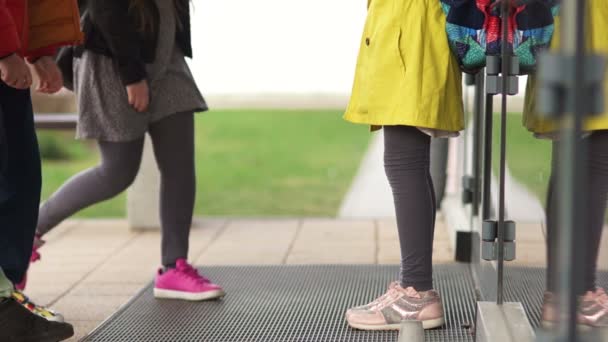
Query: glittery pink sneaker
column 185, row 283
column 592, row 310
column 38, row 242
column 398, row 305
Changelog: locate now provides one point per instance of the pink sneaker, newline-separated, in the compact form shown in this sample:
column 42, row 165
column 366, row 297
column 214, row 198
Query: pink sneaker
column 398, row 305
column 592, row 310
column 184, row 282
column 550, row 313
column 38, row 242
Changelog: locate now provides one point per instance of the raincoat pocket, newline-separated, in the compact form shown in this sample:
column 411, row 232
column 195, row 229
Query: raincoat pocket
column 387, row 71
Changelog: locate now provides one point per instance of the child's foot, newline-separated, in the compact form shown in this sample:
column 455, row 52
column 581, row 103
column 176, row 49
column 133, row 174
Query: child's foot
column 184, row 282
column 397, row 305
column 20, row 325
column 38, row 242
column 550, row 315
column 41, row 311
column 592, row 310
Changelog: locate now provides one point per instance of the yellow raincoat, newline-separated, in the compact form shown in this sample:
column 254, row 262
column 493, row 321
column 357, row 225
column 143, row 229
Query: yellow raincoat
column 597, row 42
column 406, row 74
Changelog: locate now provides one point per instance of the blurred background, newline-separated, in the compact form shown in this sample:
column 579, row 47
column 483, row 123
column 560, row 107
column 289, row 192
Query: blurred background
column 277, row 81
column 276, row 89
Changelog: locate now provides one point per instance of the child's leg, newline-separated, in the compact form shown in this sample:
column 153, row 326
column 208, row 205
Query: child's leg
column 406, row 162
column 406, row 159
column 597, row 193
column 173, row 140
column 117, row 170
column 597, row 187
column 21, row 191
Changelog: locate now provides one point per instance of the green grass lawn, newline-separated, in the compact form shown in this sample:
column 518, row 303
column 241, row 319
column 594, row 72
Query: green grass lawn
column 250, row 163
column 528, row 158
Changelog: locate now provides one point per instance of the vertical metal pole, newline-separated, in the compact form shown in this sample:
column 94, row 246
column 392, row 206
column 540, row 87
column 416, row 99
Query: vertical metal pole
column 477, row 142
column 571, row 171
column 505, row 66
column 487, row 158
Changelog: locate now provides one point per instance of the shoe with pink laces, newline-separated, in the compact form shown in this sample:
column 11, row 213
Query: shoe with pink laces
column 397, row 305
column 185, row 283
column 38, row 242
column 375, row 302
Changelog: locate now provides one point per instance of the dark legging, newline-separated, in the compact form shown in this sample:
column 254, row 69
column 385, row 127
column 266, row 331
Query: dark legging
column 597, row 191
column 173, row 140
column 20, row 188
column 407, row 163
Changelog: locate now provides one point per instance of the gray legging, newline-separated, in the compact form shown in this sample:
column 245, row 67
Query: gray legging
column 173, row 140
column 597, row 192
column 407, row 163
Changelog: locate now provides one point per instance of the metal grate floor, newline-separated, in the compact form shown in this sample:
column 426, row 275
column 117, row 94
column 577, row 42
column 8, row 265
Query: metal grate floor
column 527, row 285
column 284, row 303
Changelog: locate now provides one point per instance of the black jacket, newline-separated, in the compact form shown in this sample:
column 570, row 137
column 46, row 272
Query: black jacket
column 111, row 30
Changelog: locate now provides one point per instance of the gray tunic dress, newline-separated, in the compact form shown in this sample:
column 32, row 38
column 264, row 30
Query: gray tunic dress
column 103, row 106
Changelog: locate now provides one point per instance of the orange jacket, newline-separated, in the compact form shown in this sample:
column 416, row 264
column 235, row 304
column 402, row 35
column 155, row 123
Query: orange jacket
column 35, row 28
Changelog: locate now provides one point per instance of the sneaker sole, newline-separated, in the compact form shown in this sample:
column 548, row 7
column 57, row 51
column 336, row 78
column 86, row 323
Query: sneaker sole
column 428, row 324
column 58, row 318
column 189, row 296
column 54, row 319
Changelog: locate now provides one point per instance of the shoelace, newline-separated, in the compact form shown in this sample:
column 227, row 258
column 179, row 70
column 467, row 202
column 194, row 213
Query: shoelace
column 26, row 302
column 20, row 297
column 412, row 293
column 389, row 297
column 192, row 274
column 602, row 297
column 383, row 297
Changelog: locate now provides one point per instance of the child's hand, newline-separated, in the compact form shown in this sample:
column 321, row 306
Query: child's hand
column 51, row 80
column 14, row 72
column 139, row 95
